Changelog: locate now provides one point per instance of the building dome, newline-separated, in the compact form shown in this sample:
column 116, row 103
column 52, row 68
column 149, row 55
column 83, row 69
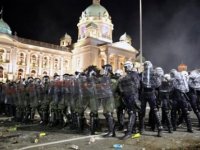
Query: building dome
column 4, row 27
column 95, row 22
column 66, row 40
column 125, row 37
column 66, row 36
column 96, row 10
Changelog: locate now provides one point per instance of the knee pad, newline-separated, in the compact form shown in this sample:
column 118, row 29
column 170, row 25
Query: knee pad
column 130, row 112
column 155, row 109
column 166, row 111
column 93, row 114
column 107, row 114
column 188, row 112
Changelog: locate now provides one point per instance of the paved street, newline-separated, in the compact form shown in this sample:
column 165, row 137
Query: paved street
column 27, row 137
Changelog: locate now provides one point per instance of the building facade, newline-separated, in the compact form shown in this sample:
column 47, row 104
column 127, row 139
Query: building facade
column 20, row 58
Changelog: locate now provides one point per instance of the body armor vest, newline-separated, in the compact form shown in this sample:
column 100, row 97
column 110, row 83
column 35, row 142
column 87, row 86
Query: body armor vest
column 129, row 85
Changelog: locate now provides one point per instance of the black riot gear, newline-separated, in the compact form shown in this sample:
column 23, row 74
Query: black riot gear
column 129, row 89
column 150, row 81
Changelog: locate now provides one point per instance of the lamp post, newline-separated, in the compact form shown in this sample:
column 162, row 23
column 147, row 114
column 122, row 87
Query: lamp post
column 140, row 9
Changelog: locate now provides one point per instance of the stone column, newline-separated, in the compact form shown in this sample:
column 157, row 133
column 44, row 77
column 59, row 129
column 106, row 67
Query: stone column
column 107, row 58
column 14, row 57
column 62, row 67
column 9, row 58
column 51, row 61
column 116, row 63
column 40, row 64
column 9, row 61
column 27, row 62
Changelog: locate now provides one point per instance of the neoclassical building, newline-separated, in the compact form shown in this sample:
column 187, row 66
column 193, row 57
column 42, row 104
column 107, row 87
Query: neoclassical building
column 20, row 58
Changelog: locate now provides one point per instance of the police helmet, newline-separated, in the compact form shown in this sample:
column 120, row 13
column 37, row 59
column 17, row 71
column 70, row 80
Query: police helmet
column 128, row 65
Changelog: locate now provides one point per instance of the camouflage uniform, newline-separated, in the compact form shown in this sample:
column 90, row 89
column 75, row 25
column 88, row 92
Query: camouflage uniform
column 105, row 94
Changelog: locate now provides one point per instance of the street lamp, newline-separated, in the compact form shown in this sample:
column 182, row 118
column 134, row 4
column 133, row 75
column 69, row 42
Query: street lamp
column 140, row 9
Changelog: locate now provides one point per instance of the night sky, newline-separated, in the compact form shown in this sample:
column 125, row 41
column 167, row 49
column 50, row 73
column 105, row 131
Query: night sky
column 171, row 28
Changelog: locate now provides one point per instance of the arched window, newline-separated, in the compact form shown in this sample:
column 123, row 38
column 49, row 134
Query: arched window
column 33, row 73
column 44, row 73
column 45, row 62
column 33, row 60
column 20, row 73
column 21, row 60
column 56, row 63
column 1, row 55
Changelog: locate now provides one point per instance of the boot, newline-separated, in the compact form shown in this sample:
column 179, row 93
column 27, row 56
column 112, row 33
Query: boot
column 11, row 110
column 120, row 118
column 111, row 125
column 46, row 117
column 131, row 123
column 141, row 124
column 158, row 121
column 134, row 130
column 160, row 128
column 27, row 114
column 80, row 122
column 32, row 114
column 188, row 122
column 69, row 119
column 18, row 116
column 93, row 123
column 26, row 117
column 151, row 118
column 73, row 125
column 198, row 117
column 173, row 119
column 40, row 114
column 7, row 110
column 60, row 119
column 52, row 121
column 163, row 121
column 168, row 121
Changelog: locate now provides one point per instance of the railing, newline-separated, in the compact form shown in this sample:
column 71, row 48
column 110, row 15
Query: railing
column 41, row 44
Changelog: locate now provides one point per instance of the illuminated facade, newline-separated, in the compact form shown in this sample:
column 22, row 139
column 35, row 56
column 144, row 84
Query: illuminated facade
column 21, row 57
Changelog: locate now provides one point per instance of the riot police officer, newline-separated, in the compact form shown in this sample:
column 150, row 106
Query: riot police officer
column 45, row 100
column 67, row 96
column 129, row 88
column 119, row 104
column 29, row 98
column 149, row 82
column 164, row 95
column 10, row 98
column 93, row 102
column 105, row 94
column 55, row 93
column 181, row 88
column 194, row 86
